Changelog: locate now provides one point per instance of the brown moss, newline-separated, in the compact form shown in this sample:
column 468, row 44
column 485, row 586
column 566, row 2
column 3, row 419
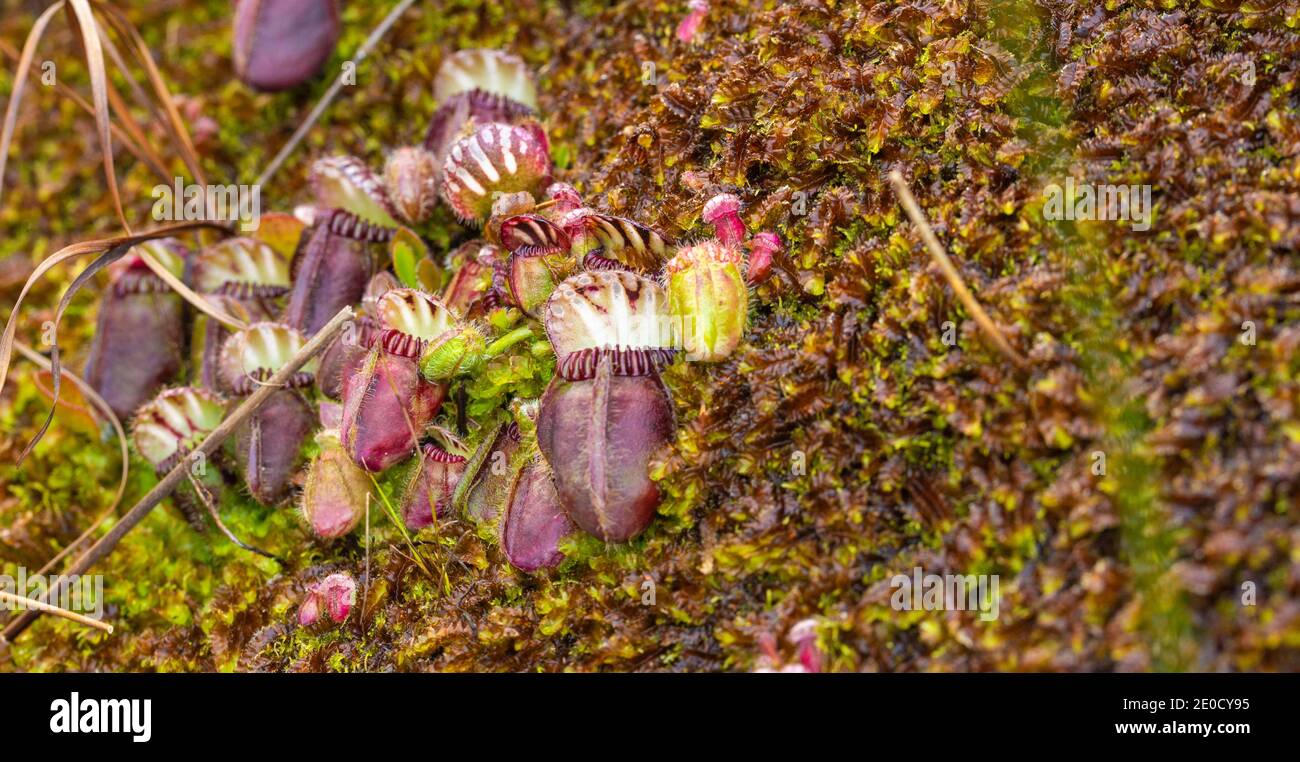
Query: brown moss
column 846, row 441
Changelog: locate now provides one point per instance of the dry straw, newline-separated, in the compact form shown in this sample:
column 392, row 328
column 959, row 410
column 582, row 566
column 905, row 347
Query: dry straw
column 950, row 270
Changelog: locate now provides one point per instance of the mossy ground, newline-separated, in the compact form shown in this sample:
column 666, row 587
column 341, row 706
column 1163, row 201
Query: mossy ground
column 846, row 441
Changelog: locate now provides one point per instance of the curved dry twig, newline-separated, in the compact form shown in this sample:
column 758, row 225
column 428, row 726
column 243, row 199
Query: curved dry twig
column 175, row 124
column 172, row 479
column 20, row 84
column 104, row 410
column 104, row 247
column 99, row 96
column 199, row 301
column 105, row 100
column 143, row 153
column 205, row 497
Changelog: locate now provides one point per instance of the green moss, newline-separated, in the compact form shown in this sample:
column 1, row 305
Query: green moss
column 847, row 440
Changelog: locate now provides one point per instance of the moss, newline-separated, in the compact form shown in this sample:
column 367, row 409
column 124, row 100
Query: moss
column 846, row 441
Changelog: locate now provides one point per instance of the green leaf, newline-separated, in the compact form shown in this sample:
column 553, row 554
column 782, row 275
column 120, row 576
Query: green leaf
column 407, row 250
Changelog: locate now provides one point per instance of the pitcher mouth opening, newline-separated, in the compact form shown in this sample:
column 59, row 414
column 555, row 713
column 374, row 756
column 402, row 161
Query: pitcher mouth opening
column 409, row 320
column 623, row 361
column 248, row 383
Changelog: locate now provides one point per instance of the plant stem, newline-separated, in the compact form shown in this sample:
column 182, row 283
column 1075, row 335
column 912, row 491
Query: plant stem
column 507, row 341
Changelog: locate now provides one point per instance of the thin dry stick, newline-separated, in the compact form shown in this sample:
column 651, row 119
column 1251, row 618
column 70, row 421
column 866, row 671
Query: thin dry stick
column 85, row 18
column 132, row 127
column 174, row 123
column 205, row 497
column 105, row 411
column 94, row 42
column 332, row 93
column 145, row 155
column 950, row 271
column 86, row 535
column 174, row 477
column 20, row 82
column 98, row 248
column 137, row 92
column 35, row 605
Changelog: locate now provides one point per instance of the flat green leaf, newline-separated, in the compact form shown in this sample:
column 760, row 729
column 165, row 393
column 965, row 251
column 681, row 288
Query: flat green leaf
column 408, row 251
